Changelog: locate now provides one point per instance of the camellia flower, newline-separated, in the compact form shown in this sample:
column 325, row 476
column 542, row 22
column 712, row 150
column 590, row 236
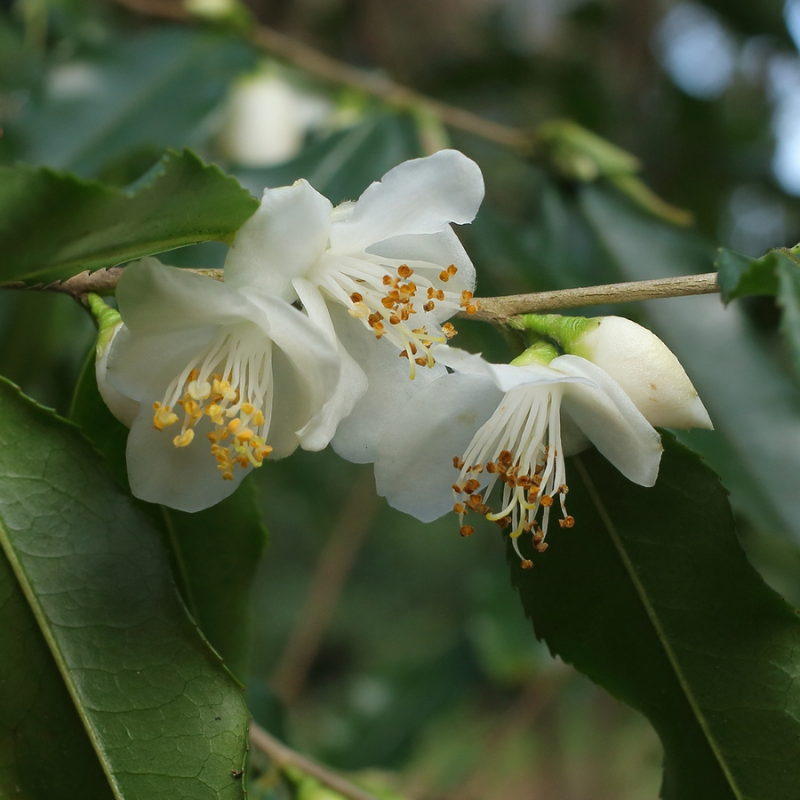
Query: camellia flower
column 505, row 429
column 196, row 361
column 646, row 369
column 380, row 276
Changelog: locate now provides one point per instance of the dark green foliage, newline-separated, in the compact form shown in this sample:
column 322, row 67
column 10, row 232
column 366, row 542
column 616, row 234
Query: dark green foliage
column 89, row 225
column 652, row 597
column 152, row 90
column 163, row 717
column 776, row 273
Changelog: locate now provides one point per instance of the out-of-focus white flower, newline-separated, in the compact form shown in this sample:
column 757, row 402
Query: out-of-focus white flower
column 380, row 276
column 242, row 371
column 646, row 369
column 212, row 9
column 268, row 118
column 506, row 429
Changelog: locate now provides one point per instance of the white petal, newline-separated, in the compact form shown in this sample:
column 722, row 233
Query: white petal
column 351, row 388
column 419, row 196
column 155, row 299
column 647, row 370
column 185, row 478
column 414, row 467
column 352, row 382
column 611, row 421
column 306, row 368
column 120, row 405
column 281, row 241
column 505, row 376
column 389, row 388
column 136, row 363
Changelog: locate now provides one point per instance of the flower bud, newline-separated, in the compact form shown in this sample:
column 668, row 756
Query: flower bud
column 646, row 369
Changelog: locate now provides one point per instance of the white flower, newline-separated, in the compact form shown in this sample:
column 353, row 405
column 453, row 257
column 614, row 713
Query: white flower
column 512, row 425
column 646, row 369
column 223, row 377
column 380, row 276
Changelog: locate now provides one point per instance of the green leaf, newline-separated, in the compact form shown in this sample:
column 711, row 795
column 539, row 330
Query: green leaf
column 155, row 89
column 214, row 553
column 55, row 225
column 652, row 597
column 163, row 717
column 742, row 276
column 775, row 273
column 789, row 301
column 35, row 707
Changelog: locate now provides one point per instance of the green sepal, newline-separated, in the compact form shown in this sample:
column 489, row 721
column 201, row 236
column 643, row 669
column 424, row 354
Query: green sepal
column 541, row 352
column 108, row 319
column 564, row 330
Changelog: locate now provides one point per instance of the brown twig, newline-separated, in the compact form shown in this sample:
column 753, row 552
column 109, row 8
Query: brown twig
column 283, row 756
column 500, row 309
column 312, row 61
column 497, row 310
column 334, row 565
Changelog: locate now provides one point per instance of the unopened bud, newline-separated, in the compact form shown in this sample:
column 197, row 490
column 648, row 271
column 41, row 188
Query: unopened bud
column 644, row 367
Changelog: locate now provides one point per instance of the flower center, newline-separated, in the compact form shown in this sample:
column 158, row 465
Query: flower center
column 519, row 446
column 230, row 383
column 383, row 296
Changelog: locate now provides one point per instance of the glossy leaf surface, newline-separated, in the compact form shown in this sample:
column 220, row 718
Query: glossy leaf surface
column 90, row 225
column 652, row 597
column 163, row 717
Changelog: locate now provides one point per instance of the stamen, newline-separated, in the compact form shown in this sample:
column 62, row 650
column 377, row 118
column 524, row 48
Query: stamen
column 519, row 447
column 385, row 295
column 230, row 384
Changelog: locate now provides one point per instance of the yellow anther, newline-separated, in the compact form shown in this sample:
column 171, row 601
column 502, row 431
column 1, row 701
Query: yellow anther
column 191, row 408
column 262, row 452
column 163, row 417
column 184, row 439
column 244, row 435
column 258, row 419
column 215, row 412
column 234, row 425
column 199, row 391
column 248, row 408
column 218, row 435
column 224, row 388
column 359, row 311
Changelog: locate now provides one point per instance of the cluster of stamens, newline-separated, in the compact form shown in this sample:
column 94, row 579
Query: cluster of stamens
column 531, row 480
column 386, row 304
column 240, row 426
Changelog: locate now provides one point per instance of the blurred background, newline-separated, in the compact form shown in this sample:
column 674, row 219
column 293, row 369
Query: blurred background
column 383, row 646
